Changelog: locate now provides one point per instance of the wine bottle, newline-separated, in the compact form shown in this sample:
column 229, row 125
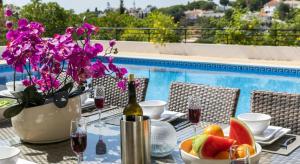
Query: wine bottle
column 133, row 108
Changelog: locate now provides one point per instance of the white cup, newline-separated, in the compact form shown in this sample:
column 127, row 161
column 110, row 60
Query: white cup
column 257, row 122
column 153, row 108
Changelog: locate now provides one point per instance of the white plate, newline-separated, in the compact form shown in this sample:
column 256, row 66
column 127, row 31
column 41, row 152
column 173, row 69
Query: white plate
column 278, row 135
column 270, row 135
column 88, row 102
column 6, row 93
column 170, row 115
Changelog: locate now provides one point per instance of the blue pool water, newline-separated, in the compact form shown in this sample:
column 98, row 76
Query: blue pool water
column 161, row 78
column 247, row 78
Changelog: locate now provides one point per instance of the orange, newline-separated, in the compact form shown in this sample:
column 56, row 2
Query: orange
column 222, row 155
column 192, row 152
column 214, row 130
column 241, row 150
column 187, row 145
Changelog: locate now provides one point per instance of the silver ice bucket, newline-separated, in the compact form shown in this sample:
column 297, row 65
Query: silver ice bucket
column 135, row 140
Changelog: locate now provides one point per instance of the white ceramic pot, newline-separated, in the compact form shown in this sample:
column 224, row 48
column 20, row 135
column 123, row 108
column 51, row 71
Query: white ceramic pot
column 46, row 123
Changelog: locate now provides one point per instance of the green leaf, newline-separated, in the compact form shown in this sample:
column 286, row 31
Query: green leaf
column 81, row 87
column 60, row 99
column 68, row 87
column 31, row 97
column 75, row 93
column 13, row 110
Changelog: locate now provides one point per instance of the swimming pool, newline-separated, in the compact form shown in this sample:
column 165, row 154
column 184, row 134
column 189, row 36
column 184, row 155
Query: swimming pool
column 162, row 73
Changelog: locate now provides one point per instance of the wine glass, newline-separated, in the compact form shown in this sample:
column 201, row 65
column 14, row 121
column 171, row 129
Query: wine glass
column 78, row 138
column 99, row 96
column 234, row 152
column 194, row 111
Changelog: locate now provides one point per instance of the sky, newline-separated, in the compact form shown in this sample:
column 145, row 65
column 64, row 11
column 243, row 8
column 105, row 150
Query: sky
column 82, row 5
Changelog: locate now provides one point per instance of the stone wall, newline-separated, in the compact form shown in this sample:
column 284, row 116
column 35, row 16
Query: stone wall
column 280, row 53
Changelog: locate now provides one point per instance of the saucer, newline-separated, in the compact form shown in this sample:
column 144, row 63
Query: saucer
column 170, row 115
column 275, row 137
column 270, row 135
column 6, row 93
column 88, row 102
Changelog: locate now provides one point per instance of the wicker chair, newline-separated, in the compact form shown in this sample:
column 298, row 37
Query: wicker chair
column 284, row 108
column 62, row 77
column 115, row 96
column 219, row 103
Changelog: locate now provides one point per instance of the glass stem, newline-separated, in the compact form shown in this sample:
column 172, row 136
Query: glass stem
column 80, row 157
column 195, row 129
column 99, row 116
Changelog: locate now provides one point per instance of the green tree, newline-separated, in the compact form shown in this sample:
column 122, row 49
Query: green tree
column 54, row 17
column 239, row 30
column 252, row 5
column 207, row 24
column 294, row 21
column 224, row 3
column 176, row 11
column 228, row 14
column 122, row 8
column 117, row 20
column 2, row 28
column 161, row 29
column 152, row 8
column 203, row 5
column 283, row 11
column 285, row 33
column 165, row 27
column 240, row 4
column 114, row 19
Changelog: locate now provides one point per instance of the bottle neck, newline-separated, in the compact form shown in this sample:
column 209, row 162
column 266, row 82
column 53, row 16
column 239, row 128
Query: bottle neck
column 131, row 92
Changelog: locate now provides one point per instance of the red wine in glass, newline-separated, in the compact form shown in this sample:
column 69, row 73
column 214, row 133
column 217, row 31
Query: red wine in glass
column 194, row 115
column 99, row 96
column 194, row 111
column 99, row 103
column 78, row 137
column 78, row 142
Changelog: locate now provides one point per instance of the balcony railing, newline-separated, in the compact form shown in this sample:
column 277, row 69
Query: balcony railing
column 275, row 37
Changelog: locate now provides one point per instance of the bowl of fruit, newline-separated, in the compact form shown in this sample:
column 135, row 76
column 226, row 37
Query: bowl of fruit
column 212, row 147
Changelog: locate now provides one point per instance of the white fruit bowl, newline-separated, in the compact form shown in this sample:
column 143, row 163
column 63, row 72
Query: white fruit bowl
column 257, row 122
column 9, row 155
column 190, row 159
column 153, row 108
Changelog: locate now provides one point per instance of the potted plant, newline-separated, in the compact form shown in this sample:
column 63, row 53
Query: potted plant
column 54, row 66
